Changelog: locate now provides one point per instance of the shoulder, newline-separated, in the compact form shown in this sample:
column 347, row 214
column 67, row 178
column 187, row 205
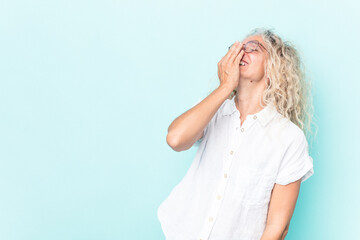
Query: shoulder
column 285, row 131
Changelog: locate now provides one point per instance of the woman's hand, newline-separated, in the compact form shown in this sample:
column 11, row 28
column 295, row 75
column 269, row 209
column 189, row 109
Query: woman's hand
column 229, row 66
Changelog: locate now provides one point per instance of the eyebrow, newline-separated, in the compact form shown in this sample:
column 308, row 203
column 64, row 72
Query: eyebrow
column 253, row 41
column 259, row 44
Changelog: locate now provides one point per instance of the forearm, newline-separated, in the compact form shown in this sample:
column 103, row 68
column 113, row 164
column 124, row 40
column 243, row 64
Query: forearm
column 274, row 233
column 189, row 126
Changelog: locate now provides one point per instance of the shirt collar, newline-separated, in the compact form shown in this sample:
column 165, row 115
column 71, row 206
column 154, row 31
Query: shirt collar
column 264, row 115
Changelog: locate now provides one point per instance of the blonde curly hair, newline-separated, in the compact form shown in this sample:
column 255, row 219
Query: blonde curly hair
column 287, row 85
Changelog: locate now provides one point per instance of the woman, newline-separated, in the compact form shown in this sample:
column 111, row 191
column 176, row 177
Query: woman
column 253, row 153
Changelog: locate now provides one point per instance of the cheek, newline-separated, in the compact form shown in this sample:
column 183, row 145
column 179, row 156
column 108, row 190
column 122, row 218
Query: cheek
column 259, row 67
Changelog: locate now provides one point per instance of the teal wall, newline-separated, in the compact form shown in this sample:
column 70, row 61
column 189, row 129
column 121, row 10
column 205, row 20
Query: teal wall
column 88, row 89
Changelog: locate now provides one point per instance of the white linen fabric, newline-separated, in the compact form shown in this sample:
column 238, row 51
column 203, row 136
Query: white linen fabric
column 226, row 191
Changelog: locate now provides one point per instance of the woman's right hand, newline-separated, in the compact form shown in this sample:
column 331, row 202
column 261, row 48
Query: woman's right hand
column 229, row 66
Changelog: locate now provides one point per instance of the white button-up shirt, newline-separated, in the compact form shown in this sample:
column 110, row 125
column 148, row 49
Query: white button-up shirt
column 225, row 193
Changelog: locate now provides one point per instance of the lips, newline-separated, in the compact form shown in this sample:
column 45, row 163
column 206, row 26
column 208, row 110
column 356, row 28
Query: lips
column 242, row 60
column 243, row 63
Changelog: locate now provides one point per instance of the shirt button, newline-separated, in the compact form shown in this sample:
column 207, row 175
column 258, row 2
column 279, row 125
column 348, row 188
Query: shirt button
column 242, row 129
column 231, row 152
column 218, row 196
column 255, row 117
column 225, row 175
column 237, row 128
column 210, row 219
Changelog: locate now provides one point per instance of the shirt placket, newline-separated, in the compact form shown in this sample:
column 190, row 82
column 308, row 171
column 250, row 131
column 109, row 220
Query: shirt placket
column 234, row 145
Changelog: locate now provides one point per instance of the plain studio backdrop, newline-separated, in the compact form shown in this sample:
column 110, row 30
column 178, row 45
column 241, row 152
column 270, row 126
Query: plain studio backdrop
column 89, row 88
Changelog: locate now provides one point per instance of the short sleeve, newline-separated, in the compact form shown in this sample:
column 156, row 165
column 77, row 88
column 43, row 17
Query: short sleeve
column 197, row 143
column 296, row 162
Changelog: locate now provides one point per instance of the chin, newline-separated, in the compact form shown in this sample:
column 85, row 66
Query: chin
column 244, row 78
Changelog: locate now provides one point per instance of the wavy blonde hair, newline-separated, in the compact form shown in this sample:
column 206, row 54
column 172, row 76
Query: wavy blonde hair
column 288, row 87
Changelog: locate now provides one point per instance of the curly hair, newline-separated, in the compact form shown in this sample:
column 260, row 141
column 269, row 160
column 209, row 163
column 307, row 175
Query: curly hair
column 287, row 85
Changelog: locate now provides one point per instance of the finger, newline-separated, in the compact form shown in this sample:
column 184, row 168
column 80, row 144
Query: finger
column 231, row 49
column 235, row 52
column 239, row 57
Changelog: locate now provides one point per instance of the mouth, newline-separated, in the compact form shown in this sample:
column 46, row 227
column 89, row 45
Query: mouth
column 243, row 63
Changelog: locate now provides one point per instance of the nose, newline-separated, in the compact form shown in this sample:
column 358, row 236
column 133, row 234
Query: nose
column 242, row 47
column 245, row 53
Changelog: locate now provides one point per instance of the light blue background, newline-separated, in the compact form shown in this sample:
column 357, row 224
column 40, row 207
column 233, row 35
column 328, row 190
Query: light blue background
column 88, row 89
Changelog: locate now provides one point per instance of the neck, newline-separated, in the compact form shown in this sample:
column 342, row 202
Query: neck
column 248, row 98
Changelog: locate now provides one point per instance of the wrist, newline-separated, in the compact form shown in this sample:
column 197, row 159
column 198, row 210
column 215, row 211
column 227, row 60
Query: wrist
column 226, row 88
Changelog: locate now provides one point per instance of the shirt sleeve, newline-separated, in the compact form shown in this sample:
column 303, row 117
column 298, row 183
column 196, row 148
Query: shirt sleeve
column 296, row 162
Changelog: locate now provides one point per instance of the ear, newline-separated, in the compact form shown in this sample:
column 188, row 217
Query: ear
column 267, row 71
column 269, row 81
